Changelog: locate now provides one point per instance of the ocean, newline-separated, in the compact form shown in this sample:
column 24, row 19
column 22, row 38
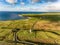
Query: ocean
column 14, row 15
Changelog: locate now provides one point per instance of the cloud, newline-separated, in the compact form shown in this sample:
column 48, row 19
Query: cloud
column 53, row 6
column 25, row 8
column 11, row 1
column 42, row 7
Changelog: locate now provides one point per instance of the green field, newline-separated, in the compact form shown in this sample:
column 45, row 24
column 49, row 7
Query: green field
column 40, row 29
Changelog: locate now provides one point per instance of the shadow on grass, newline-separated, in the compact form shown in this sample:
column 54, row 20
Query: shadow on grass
column 51, row 18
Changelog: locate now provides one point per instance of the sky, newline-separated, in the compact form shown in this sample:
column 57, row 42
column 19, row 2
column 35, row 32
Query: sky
column 30, row 5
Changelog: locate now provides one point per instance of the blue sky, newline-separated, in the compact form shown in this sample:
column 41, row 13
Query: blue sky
column 30, row 5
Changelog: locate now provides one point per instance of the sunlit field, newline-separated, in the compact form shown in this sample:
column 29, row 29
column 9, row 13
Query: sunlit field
column 39, row 29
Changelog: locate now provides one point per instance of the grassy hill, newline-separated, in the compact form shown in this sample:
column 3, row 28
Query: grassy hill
column 44, row 31
column 48, row 16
